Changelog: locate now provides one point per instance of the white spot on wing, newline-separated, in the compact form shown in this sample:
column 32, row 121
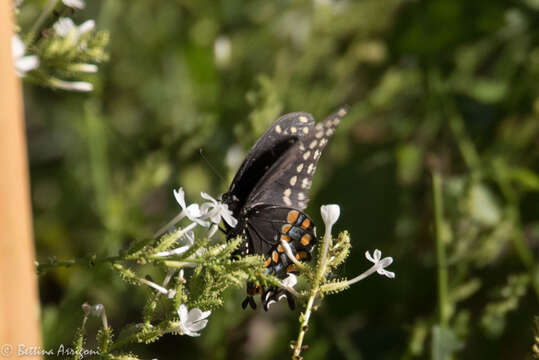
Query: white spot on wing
column 305, row 130
column 313, row 144
column 287, row 193
column 278, row 129
column 299, row 167
column 293, row 130
column 287, row 201
column 303, row 119
column 293, row 180
column 306, row 155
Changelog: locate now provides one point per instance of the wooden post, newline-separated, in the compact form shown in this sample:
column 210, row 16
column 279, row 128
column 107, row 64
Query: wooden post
column 19, row 304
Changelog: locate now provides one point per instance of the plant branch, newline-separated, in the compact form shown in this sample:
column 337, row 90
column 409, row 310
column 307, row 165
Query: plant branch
column 443, row 306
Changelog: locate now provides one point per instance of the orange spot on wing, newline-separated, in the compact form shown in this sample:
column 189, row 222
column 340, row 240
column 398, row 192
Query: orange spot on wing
column 305, row 223
column 268, row 262
column 275, row 256
column 285, row 238
column 280, row 248
column 305, row 239
column 291, row 268
column 292, row 216
column 286, row 228
column 301, row 255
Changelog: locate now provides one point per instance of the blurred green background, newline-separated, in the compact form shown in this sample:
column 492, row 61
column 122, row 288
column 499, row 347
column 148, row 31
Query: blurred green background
column 443, row 85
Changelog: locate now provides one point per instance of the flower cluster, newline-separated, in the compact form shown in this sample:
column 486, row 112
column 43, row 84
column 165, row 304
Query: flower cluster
column 62, row 53
column 208, row 215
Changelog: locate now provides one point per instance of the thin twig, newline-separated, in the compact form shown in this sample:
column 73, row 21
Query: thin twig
column 440, row 249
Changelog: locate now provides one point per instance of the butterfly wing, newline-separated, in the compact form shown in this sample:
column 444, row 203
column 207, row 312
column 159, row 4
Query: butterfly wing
column 269, row 224
column 288, row 181
column 269, row 192
column 271, row 146
column 267, row 229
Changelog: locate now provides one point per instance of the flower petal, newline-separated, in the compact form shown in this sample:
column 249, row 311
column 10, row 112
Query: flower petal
column 228, row 218
column 75, row 4
column 182, row 313
column 204, row 208
column 194, row 315
column 389, row 274
column 198, row 325
column 385, row 262
column 193, row 211
column 377, row 255
column 180, row 197
column 27, row 63
column 369, row 257
column 205, row 314
column 17, row 47
column 330, row 214
column 208, row 197
column 187, row 331
column 86, row 26
column 64, row 26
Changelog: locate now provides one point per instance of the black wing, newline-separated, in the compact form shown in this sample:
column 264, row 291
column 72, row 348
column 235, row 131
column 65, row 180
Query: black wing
column 271, row 146
column 269, row 224
column 288, row 181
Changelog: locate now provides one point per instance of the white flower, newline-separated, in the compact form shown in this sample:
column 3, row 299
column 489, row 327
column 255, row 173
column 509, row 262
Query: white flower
column 23, row 63
column 192, row 321
column 215, row 210
column 65, row 26
column 192, row 211
column 85, row 68
column 330, row 214
column 72, row 85
column 380, row 263
column 86, row 26
column 75, row 4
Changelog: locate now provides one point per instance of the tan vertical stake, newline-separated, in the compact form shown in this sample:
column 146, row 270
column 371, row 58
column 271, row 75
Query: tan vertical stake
column 19, row 304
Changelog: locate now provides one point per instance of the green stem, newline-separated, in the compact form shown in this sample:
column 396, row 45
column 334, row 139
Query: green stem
column 47, row 10
column 41, row 268
column 304, row 324
column 437, row 198
column 315, row 290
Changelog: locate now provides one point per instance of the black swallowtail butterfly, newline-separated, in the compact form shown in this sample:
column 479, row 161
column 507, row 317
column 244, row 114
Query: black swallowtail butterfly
column 270, row 192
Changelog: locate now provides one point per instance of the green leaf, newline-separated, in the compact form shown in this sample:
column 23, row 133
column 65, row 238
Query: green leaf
column 444, row 343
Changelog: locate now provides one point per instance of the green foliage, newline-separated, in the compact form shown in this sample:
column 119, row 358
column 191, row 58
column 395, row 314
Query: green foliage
column 507, row 299
column 446, row 86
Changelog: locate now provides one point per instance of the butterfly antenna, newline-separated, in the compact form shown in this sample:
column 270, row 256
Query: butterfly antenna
column 210, row 165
